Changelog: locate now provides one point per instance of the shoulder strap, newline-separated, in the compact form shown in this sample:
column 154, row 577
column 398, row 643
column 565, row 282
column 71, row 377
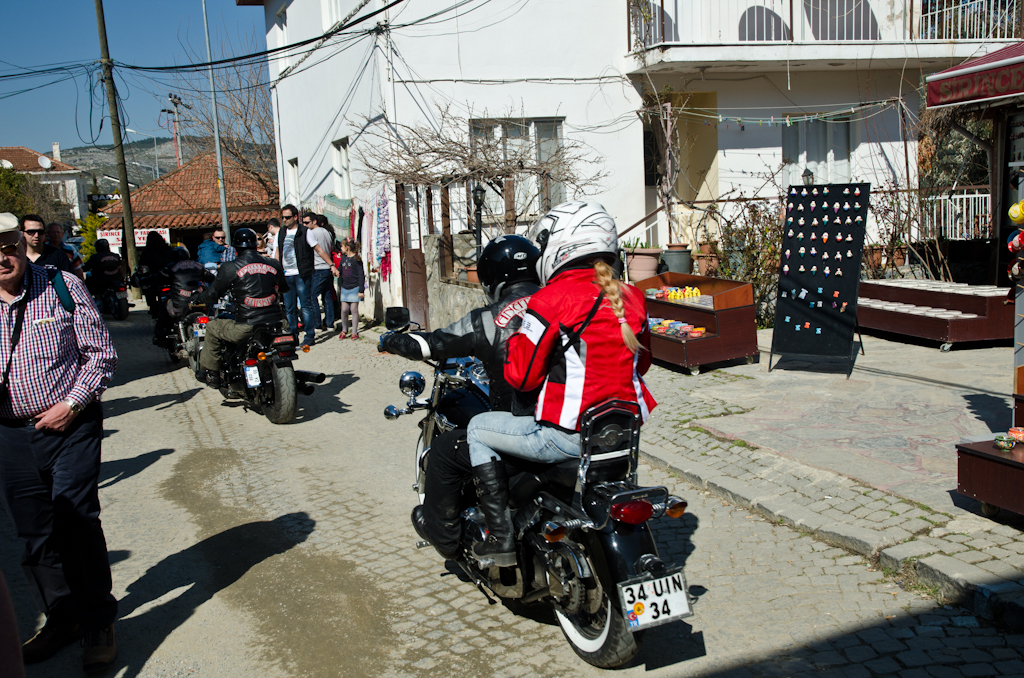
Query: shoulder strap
column 574, row 336
column 61, row 288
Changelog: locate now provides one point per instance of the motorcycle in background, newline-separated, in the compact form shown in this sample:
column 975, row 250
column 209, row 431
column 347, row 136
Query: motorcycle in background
column 114, row 300
column 584, row 542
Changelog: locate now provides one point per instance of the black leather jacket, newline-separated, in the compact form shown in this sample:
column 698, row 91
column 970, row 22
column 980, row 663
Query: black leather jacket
column 184, row 278
column 256, row 282
column 482, row 333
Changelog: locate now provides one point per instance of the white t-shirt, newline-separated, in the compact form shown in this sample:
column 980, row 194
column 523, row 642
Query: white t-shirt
column 320, row 236
column 272, row 244
column 288, row 260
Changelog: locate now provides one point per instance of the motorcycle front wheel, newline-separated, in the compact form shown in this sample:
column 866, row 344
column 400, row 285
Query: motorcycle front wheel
column 282, row 410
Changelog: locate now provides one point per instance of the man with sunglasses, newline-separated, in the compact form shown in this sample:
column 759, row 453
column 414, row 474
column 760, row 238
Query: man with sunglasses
column 55, row 361
column 296, row 249
column 38, row 251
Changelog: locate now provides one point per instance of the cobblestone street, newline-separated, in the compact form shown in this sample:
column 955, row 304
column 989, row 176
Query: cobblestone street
column 241, row 548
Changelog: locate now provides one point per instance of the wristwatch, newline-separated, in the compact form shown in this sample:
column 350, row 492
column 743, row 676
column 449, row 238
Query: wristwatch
column 73, row 406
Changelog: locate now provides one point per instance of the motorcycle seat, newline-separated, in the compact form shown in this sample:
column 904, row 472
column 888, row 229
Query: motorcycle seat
column 527, row 477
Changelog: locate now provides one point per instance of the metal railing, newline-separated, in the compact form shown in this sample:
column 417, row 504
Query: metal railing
column 962, row 216
column 709, row 22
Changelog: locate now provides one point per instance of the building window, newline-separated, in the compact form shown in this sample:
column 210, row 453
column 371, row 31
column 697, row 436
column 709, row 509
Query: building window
column 294, row 195
column 281, row 25
column 334, row 11
column 342, row 169
column 821, row 146
column 534, row 143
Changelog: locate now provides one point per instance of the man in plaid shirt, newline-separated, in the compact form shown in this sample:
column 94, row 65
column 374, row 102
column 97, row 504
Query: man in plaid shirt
column 55, row 363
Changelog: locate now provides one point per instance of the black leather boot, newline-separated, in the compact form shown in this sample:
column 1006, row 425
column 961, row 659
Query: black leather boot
column 447, row 547
column 492, row 489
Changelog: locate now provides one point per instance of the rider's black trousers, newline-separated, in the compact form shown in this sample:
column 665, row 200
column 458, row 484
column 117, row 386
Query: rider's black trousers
column 448, row 468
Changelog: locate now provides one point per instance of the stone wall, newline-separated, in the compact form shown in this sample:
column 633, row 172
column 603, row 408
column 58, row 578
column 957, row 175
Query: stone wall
column 450, row 298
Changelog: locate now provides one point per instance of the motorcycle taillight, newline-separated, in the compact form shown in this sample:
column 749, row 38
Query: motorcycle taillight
column 202, row 320
column 632, row 512
column 251, row 362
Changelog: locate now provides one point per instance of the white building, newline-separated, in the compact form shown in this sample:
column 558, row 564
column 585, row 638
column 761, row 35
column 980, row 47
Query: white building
column 845, row 72
column 68, row 184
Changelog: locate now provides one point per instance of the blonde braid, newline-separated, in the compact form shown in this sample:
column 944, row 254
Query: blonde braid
column 605, row 277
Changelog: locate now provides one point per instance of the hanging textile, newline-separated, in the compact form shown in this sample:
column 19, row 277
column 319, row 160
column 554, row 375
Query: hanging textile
column 383, row 234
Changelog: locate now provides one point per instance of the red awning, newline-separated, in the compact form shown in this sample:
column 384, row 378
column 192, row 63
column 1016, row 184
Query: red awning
column 995, row 76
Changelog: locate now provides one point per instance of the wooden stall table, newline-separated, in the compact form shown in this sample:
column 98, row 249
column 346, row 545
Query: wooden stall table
column 725, row 310
column 992, row 476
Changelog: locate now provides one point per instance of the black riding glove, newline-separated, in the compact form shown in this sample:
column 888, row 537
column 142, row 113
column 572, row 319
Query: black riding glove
column 404, row 345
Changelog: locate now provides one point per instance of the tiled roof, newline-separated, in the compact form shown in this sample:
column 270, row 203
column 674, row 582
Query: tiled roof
column 27, row 160
column 188, row 198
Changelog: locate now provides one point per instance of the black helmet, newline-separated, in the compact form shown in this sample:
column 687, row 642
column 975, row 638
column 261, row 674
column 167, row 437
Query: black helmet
column 507, row 259
column 180, row 254
column 245, row 239
column 101, row 245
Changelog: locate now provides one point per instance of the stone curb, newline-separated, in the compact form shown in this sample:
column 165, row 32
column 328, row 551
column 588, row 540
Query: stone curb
column 988, row 595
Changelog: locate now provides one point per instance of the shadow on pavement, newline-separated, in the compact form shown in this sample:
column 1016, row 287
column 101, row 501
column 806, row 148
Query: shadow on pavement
column 994, row 411
column 161, row 401
column 325, row 398
column 115, row 471
column 193, row 577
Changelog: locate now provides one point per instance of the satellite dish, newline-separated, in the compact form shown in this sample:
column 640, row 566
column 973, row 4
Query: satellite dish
column 6, row 164
column 45, row 162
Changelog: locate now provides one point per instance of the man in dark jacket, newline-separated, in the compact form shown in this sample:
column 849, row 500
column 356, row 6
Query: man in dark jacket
column 183, row 279
column 256, row 283
column 507, row 271
column 40, row 252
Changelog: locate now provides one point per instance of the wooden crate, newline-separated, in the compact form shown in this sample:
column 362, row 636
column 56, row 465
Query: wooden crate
column 731, row 322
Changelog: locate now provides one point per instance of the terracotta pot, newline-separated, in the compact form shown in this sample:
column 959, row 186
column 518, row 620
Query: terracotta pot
column 677, row 245
column 642, row 263
column 471, row 275
column 707, row 264
column 873, row 256
column 899, row 256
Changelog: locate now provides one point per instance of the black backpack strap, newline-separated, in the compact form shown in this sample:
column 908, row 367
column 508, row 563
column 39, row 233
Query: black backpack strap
column 61, row 288
column 575, row 335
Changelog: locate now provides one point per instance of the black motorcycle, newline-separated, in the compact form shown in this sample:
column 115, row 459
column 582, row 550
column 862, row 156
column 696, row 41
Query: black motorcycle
column 583, row 539
column 113, row 300
column 259, row 370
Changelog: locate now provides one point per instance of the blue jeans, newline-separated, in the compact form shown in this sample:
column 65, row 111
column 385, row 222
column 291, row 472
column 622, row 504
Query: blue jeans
column 493, row 432
column 323, row 283
column 299, row 291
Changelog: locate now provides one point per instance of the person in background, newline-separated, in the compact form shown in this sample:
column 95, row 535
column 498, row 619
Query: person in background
column 324, row 271
column 273, row 226
column 210, row 252
column 104, row 268
column 55, row 235
column 295, row 251
column 155, row 256
column 229, row 253
column 40, row 252
column 351, row 283
column 59, row 361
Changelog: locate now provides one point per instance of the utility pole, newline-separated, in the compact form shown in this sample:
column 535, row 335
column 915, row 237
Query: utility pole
column 115, row 128
column 216, row 136
column 175, row 101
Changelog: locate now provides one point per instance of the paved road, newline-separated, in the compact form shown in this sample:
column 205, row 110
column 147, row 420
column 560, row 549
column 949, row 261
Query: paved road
column 241, row 548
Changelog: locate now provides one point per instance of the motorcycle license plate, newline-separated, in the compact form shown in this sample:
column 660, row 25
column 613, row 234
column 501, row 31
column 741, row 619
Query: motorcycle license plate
column 122, row 295
column 652, row 602
column 252, row 375
column 199, row 331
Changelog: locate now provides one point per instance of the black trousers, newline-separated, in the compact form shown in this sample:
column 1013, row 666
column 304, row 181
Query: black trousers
column 448, row 468
column 49, row 489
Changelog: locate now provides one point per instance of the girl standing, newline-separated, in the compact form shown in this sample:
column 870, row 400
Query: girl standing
column 351, row 281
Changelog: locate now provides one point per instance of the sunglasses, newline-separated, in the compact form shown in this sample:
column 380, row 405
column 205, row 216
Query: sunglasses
column 9, row 250
column 218, row 237
column 307, row 221
column 35, row 231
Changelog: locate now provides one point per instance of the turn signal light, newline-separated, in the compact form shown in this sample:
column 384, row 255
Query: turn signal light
column 676, row 508
column 261, row 356
column 632, row 512
column 250, row 362
column 305, row 349
column 202, row 320
column 552, row 531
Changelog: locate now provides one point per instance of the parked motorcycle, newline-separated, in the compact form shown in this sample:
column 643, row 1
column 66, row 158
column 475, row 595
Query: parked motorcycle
column 259, row 370
column 583, row 539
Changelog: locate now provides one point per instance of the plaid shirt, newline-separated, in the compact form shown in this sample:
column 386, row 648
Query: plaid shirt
column 59, row 355
column 229, row 254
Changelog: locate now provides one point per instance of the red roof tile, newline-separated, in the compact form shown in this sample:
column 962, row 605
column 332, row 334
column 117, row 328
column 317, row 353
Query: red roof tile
column 188, row 198
column 27, row 160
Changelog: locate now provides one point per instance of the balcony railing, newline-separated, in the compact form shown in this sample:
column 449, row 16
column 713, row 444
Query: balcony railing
column 710, row 22
column 965, row 215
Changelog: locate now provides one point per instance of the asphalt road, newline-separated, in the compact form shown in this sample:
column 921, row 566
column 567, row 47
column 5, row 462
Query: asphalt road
column 241, row 548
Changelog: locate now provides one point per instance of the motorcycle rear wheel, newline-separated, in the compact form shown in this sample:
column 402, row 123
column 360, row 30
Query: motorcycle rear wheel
column 282, row 410
column 602, row 639
column 121, row 309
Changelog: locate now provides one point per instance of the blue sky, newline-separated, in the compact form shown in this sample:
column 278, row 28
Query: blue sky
column 139, row 32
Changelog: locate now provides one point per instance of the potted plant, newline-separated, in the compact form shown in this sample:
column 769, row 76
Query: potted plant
column 707, row 258
column 641, row 260
column 677, row 257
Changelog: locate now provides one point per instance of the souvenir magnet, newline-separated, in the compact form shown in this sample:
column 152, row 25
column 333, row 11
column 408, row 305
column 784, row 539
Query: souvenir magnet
column 787, row 254
column 814, row 270
column 814, row 191
column 838, row 256
column 803, row 293
column 824, row 255
column 814, row 222
column 787, row 319
column 819, row 304
column 790, row 207
column 839, row 272
column 789, row 221
column 785, row 271
column 814, row 252
column 803, row 192
column 817, row 330
column 814, row 236
column 836, row 207
column 800, row 237
column 835, row 295
column 843, row 309
column 820, row 289
column 801, row 252
column 798, row 328
column 827, row 271
column 800, row 221
column 813, row 205
column 824, row 220
column 824, row 237
column 824, row 191
column 790, row 234
column 856, row 205
column 800, row 207
column 802, row 269
column 807, row 326
column 846, row 207
column 858, row 219
column 792, row 191
column 856, row 191
column 849, row 253
column 848, row 221
column 846, row 191
column 834, row 305
column 839, row 237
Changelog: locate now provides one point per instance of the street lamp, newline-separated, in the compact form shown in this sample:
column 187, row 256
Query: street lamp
column 156, row 164
column 478, row 199
column 808, row 177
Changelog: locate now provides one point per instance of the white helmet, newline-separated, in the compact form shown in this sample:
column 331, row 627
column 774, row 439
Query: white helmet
column 570, row 232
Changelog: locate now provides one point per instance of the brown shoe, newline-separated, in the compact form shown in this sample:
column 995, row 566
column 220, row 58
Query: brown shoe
column 52, row 637
column 100, row 649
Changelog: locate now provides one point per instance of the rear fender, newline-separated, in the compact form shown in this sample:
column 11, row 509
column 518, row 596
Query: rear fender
column 617, row 551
